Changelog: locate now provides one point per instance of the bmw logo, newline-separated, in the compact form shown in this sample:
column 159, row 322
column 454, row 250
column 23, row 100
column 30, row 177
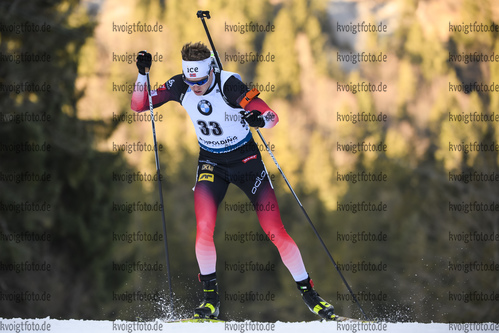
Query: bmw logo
column 204, row 107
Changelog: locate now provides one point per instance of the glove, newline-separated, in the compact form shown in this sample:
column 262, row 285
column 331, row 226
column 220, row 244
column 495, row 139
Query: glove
column 143, row 61
column 253, row 118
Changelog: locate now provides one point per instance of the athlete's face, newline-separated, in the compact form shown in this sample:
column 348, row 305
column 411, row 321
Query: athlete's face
column 201, row 89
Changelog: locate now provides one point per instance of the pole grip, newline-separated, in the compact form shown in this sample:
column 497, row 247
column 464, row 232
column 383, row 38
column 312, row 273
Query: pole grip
column 203, row 13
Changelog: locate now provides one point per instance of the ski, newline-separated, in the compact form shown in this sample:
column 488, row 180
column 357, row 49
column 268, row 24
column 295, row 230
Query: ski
column 342, row 318
column 196, row 320
column 337, row 318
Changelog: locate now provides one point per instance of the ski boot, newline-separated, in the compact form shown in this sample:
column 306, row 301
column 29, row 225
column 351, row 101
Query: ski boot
column 210, row 307
column 314, row 302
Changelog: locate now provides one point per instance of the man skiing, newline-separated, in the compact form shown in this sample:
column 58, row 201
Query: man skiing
column 228, row 154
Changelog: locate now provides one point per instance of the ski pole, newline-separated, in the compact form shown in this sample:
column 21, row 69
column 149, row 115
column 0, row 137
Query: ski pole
column 202, row 14
column 312, row 225
column 151, row 109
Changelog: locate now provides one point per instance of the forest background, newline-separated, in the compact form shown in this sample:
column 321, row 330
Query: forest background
column 66, row 74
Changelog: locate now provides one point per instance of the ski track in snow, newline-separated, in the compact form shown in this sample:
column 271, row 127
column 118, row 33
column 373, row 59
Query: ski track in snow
column 19, row 325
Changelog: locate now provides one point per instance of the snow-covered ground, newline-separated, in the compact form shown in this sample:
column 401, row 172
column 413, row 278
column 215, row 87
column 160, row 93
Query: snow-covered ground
column 87, row 326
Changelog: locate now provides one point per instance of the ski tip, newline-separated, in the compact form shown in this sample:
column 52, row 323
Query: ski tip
column 343, row 318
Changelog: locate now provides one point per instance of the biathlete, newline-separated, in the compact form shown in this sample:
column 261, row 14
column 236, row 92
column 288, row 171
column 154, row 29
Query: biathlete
column 222, row 109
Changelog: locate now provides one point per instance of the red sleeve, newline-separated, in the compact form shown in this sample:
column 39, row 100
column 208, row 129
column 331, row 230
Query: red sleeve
column 140, row 100
column 139, row 97
column 167, row 92
column 270, row 117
